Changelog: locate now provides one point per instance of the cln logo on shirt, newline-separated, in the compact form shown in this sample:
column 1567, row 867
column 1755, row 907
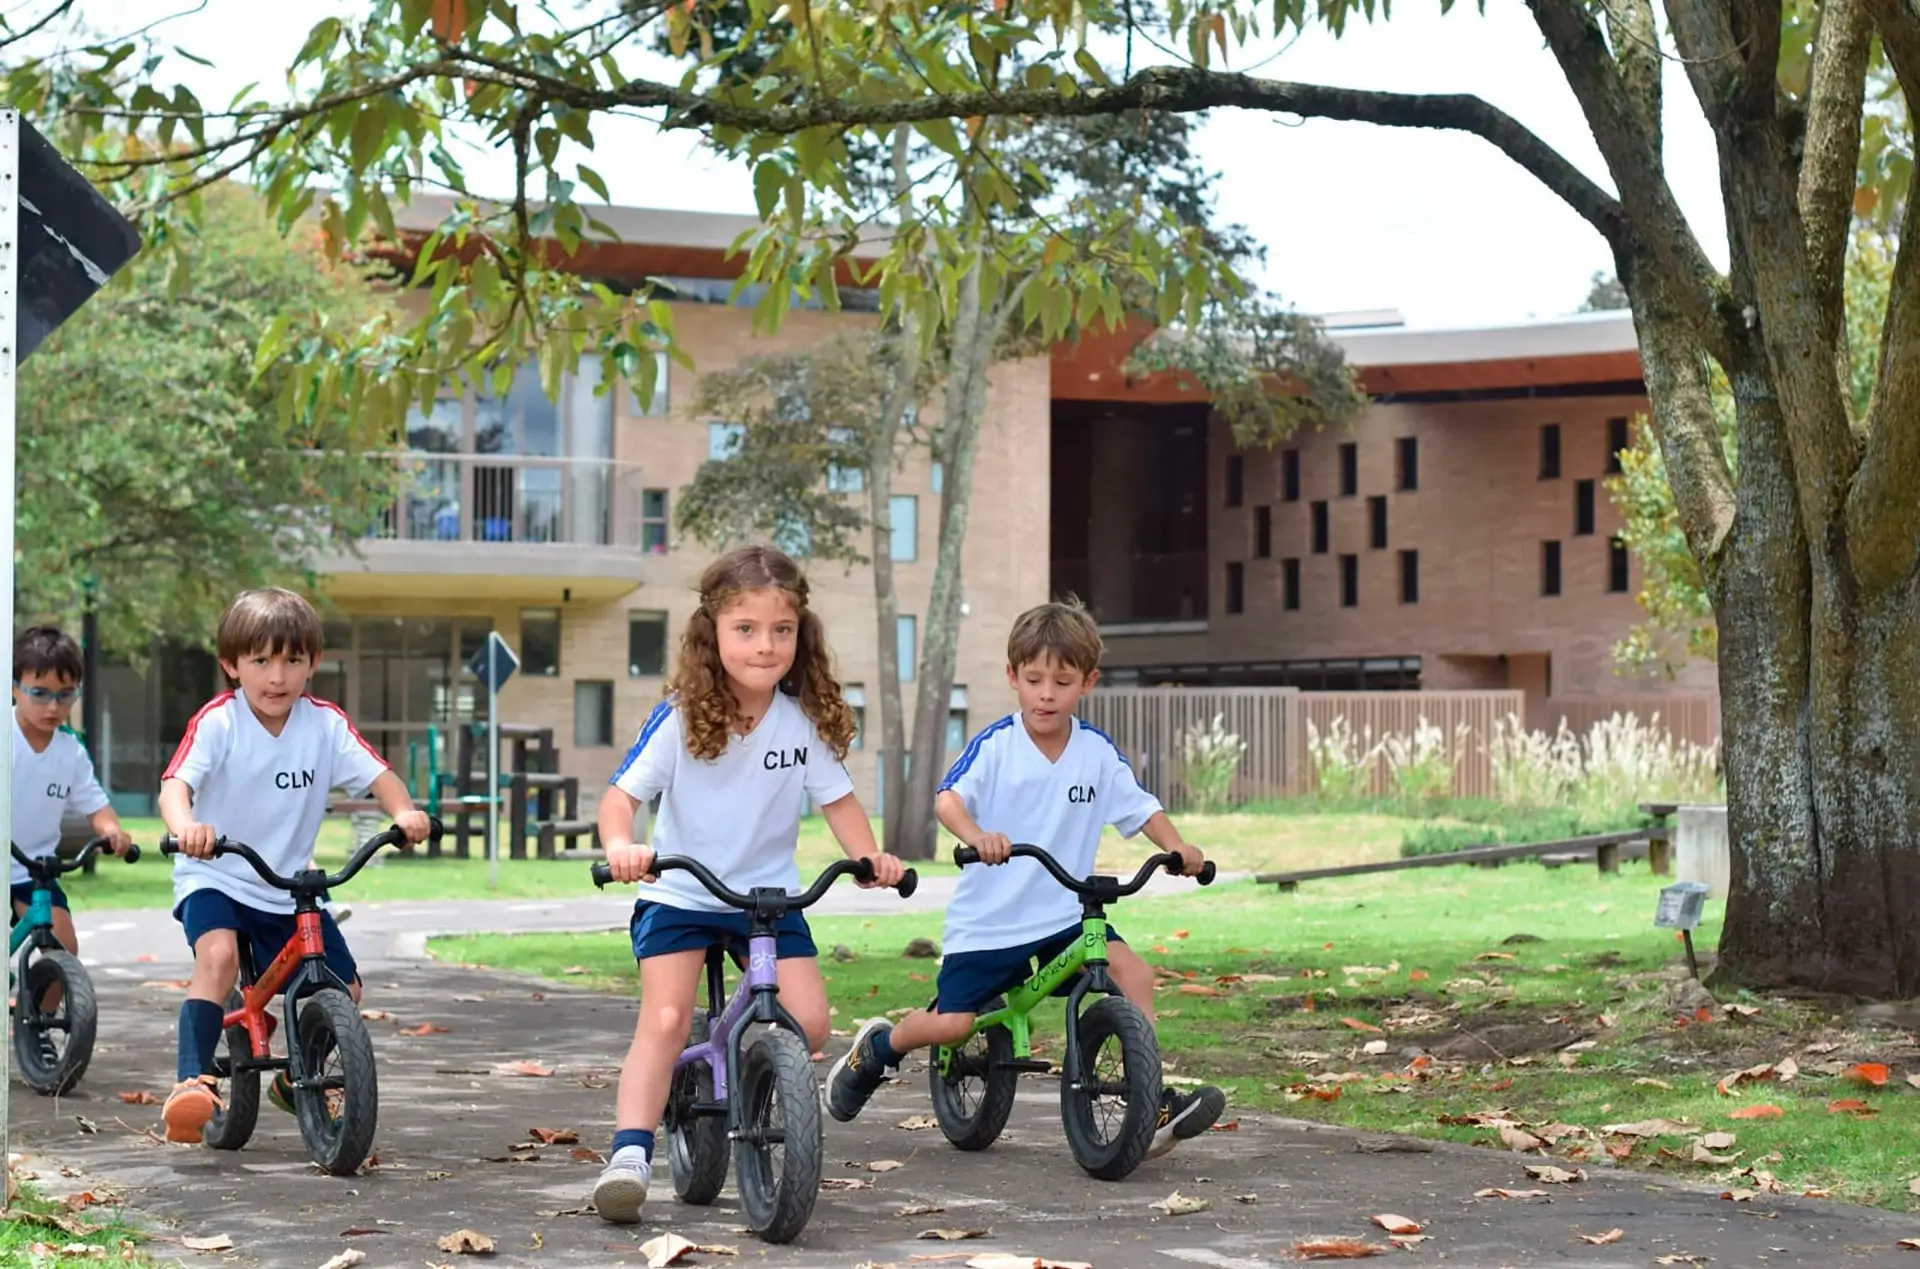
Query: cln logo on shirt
column 293, row 779
column 1080, row 793
column 60, row 791
column 781, row 759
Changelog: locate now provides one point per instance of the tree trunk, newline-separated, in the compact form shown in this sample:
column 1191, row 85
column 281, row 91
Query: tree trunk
column 972, row 351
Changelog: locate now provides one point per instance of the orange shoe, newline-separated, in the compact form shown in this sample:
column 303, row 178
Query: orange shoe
column 191, row 1104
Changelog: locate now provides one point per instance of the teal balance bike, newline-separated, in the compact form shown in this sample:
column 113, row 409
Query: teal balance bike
column 53, row 1013
column 1110, row 1079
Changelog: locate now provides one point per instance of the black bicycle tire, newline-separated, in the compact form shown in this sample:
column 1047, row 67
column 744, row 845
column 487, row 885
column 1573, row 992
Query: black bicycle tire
column 696, row 1144
column 83, row 1016
column 340, row 1153
column 778, row 1061
column 1113, row 1016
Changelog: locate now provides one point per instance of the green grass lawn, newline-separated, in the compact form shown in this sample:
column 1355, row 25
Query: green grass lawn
column 1240, row 842
column 1279, row 997
column 47, row 1235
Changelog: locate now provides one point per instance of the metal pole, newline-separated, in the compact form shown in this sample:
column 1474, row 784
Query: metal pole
column 92, row 698
column 493, row 775
column 9, row 348
column 1693, row 966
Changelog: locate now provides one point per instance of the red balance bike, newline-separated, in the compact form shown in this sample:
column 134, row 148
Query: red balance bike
column 329, row 1058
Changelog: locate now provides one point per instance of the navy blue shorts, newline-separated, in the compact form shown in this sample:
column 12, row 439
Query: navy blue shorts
column 23, row 894
column 659, row 930
column 968, row 980
column 267, row 932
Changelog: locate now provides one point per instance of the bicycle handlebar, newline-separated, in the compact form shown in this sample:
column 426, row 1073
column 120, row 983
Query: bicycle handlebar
column 53, row 865
column 393, row 835
column 964, row 855
column 860, row 869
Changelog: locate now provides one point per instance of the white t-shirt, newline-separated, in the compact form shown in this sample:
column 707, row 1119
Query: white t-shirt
column 265, row 790
column 738, row 814
column 1010, row 787
column 45, row 784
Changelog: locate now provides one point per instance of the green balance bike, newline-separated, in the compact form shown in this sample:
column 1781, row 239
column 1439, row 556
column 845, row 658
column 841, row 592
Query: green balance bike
column 53, row 1013
column 1110, row 1080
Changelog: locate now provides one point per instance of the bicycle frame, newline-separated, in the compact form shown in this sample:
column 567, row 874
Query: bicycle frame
column 35, row 924
column 755, row 1001
column 299, row 970
column 1088, row 952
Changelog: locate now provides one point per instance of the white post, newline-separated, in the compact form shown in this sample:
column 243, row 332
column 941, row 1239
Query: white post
column 493, row 773
column 9, row 347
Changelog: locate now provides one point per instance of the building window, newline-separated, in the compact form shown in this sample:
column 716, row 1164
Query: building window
column 938, row 477
column 1549, row 568
column 1409, row 577
column 957, row 720
column 904, row 511
column 843, row 479
column 1319, row 528
column 1236, row 479
column 1263, row 532
column 1583, row 492
column 1377, row 522
column 540, row 641
column 1290, row 585
column 906, row 639
column 1290, row 475
column 723, row 439
column 1549, row 451
column 1617, row 565
column 1617, row 440
column 855, row 696
column 653, row 521
column 1349, row 581
column 646, row 644
column 1236, row 587
column 1406, row 476
column 1349, row 470
column 592, row 714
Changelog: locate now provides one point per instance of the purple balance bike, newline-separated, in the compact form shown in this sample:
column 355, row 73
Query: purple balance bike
column 761, row 1095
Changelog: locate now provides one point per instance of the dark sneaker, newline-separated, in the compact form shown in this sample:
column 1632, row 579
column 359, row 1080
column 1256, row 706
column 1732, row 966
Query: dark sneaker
column 858, row 1072
column 1184, row 1116
column 280, row 1092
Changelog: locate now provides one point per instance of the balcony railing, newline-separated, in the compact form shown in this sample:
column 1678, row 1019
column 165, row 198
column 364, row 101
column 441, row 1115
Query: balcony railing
column 500, row 498
column 1137, row 588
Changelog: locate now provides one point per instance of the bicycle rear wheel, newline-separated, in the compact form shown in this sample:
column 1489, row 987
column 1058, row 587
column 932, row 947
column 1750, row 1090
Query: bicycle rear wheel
column 696, row 1144
column 52, row 1043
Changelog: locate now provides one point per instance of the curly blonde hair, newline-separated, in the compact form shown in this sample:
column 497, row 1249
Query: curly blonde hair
column 709, row 711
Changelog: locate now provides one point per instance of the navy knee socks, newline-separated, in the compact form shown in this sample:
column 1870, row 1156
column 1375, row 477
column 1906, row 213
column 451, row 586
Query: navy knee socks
column 633, row 1137
column 199, row 1035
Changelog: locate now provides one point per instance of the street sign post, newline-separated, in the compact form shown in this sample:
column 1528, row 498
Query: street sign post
column 493, row 665
column 60, row 242
column 1681, row 905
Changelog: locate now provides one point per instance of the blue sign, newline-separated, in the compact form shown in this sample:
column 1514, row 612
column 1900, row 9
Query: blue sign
column 494, row 663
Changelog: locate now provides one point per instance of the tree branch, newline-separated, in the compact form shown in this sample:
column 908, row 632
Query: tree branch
column 1883, row 510
column 1830, row 154
column 1177, row 90
column 1633, row 157
column 1636, row 46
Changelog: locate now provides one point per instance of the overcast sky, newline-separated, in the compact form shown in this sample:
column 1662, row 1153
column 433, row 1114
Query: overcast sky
column 1440, row 226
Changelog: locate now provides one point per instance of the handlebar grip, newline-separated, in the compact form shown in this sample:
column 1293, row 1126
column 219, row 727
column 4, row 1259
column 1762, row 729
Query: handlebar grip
column 863, row 870
column 133, row 852
column 1206, row 873
column 909, row 882
column 169, row 844
column 602, row 875
column 964, row 855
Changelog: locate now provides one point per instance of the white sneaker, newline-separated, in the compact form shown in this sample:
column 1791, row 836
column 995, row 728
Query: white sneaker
column 621, row 1191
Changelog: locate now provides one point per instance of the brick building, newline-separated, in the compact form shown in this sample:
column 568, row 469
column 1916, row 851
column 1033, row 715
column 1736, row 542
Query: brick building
column 1457, row 538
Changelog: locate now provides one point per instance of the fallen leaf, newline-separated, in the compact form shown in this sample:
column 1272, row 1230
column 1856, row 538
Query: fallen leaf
column 1554, row 1176
column 346, row 1259
column 1358, row 1025
column 1753, row 1074
column 1743, row 1011
column 80, row 1200
column 845, row 1183
column 1701, row 1154
column 360, row 1231
column 1787, row 1071
column 1914, row 1080
column 1821, row 1047
column 586, row 1154
column 1680, row 1260
column 531, row 1069
column 1494, row 956
column 920, row 1209
column 1520, row 1140
column 1337, row 1249
column 375, row 1015
column 1178, row 1204
column 1179, row 934
column 141, row 1098
column 86, row 1125
column 1913, row 1186
column 915, row 1123
column 466, row 1242
column 668, row 1248
column 1005, row 1260
column 1500, row 1193
column 1873, row 1073
column 1602, row 1240
column 1417, row 976
column 952, row 1235
column 425, row 1028
column 1231, row 1125
column 1396, row 1224
column 219, row 1242
column 146, row 958
column 1374, row 1048
column 1406, row 1242
column 1764, row 1110
column 1246, row 1198
column 1849, row 1106
column 554, row 1136
column 884, row 1165
column 1620, row 1149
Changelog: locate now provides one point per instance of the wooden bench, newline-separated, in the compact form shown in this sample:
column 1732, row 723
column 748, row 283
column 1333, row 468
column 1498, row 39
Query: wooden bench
column 1604, row 848
column 1660, row 836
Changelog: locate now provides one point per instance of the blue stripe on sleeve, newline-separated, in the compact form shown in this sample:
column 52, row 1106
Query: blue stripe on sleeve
column 965, row 761
column 1118, row 751
column 654, row 720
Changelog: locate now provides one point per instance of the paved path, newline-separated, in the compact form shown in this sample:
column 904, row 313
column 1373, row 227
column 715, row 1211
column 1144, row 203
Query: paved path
column 449, row 1120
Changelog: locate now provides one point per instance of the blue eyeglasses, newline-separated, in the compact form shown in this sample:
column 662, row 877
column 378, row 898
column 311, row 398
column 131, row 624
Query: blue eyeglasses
column 41, row 695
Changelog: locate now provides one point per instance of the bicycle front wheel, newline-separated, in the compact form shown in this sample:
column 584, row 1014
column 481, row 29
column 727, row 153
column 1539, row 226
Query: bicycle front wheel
column 1110, row 1098
column 54, row 1022
column 777, row 1158
column 336, row 1092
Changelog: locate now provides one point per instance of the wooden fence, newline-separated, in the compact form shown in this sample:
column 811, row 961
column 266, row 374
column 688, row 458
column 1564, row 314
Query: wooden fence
column 1147, row 722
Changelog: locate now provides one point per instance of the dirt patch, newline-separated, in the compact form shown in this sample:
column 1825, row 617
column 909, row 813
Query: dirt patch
column 1501, row 1041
